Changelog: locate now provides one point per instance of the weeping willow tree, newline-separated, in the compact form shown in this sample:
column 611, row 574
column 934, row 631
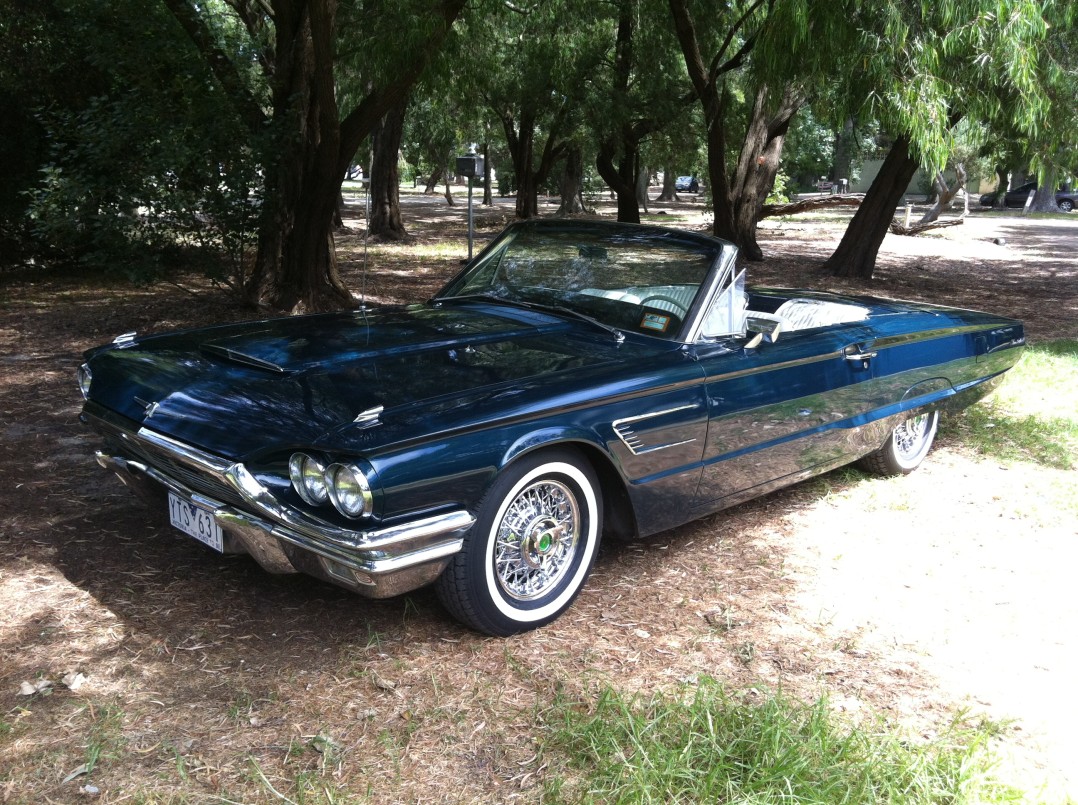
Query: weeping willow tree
column 924, row 68
column 753, row 64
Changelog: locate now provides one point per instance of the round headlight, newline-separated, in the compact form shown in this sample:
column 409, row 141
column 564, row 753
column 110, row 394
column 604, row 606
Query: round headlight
column 349, row 490
column 85, row 378
column 308, row 479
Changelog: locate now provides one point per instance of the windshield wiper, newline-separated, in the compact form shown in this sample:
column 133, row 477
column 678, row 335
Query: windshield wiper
column 619, row 336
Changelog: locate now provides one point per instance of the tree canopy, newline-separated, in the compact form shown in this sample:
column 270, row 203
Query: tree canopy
column 131, row 129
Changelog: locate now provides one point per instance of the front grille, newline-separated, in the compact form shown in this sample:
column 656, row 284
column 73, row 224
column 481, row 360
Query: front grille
column 129, row 442
column 197, row 481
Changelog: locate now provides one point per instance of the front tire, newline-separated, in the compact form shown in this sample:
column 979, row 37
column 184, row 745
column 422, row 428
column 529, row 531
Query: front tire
column 531, row 548
column 905, row 448
column 1066, row 205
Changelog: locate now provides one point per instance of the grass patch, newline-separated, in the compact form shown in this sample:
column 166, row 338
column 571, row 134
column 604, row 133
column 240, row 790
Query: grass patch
column 719, row 747
column 1033, row 416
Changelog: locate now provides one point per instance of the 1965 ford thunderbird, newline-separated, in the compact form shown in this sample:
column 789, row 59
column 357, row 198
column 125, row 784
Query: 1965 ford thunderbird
column 577, row 379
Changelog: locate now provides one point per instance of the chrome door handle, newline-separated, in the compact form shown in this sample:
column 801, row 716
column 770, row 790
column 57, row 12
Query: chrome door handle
column 861, row 356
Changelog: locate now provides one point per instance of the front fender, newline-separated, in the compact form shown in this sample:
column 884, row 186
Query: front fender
column 549, row 437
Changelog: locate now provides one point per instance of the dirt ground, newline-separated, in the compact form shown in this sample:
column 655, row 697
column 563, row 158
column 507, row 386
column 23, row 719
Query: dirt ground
column 208, row 680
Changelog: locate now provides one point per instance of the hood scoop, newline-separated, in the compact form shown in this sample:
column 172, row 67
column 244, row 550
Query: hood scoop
column 235, row 356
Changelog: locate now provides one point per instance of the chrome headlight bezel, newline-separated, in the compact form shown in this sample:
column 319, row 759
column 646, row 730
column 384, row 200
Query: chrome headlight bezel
column 308, row 476
column 349, row 490
column 85, row 380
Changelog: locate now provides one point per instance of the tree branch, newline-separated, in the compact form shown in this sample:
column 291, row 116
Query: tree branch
column 224, row 70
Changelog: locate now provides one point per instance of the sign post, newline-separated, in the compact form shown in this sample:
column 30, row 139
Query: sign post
column 470, row 166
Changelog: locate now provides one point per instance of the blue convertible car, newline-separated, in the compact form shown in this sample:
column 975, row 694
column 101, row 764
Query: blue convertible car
column 576, row 380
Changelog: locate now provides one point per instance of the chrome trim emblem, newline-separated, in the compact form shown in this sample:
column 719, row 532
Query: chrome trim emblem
column 148, row 408
column 623, row 428
column 370, row 417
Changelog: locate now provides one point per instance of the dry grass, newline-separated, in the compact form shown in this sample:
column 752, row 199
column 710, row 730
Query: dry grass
column 210, row 681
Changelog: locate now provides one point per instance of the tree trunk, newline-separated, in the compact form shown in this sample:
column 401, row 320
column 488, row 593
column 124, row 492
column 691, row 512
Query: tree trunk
column 621, row 179
column 1002, row 186
column 520, row 138
column 757, row 165
column 738, row 196
column 449, row 192
column 623, row 143
column 817, row 203
column 521, row 141
column 1045, row 199
column 643, row 182
column 669, row 192
column 433, row 181
column 310, row 144
column 944, row 192
column 856, row 252
column 386, row 223
column 296, row 266
column 572, row 182
column 488, row 197
column 842, row 165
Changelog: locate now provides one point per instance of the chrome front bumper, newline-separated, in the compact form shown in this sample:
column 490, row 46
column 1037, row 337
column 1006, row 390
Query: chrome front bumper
column 379, row 563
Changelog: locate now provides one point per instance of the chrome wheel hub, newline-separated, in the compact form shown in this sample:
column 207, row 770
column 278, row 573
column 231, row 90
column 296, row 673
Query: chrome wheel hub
column 910, row 435
column 537, row 540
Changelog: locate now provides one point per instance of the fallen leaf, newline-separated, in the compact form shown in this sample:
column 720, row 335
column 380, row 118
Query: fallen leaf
column 30, row 688
column 83, row 769
column 74, row 680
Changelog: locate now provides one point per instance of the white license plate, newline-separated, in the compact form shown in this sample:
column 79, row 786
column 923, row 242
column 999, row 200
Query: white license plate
column 195, row 522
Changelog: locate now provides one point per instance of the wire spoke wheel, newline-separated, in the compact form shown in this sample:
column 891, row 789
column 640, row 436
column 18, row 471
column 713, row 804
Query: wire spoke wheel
column 906, row 446
column 909, row 437
column 531, row 549
column 536, row 540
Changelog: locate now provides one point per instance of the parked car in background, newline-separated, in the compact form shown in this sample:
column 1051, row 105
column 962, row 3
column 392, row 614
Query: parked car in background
column 687, row 184
column 577, row 380
column 1066, row 200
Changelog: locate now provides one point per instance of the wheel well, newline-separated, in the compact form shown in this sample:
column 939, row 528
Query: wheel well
column 619, row 519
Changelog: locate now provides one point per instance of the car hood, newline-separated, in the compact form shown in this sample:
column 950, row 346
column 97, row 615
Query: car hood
column 305, row 381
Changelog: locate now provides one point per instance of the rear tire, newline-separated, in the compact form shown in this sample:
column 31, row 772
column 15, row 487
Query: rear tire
column 905, row 448
column 531, row 548
column 1066, row 205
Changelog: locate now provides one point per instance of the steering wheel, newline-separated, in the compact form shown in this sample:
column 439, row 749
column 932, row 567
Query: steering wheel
column 669, row 300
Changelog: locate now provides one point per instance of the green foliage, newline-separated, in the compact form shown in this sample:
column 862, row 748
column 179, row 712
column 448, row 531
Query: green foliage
column 1032, row 416
column 715, row 746
column 138, row 158
column 808, row 152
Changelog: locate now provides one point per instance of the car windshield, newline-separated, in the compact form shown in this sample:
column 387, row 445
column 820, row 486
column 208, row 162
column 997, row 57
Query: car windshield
column 646, row 281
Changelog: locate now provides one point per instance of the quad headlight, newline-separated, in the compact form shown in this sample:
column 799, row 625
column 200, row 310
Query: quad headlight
column 349, row 490
column 85, row 378
column 344, row 485
column 308, row 479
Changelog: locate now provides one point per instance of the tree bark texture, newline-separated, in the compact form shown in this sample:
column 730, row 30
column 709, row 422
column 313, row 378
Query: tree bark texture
column 621, row 178
column 433, row 181
column 1045, row 198
column 571, row 186
column 944, row 193
column 738, row 192
column 520, row 138
column 856, row 253
column 669, row 191
column 386, row 223
column 488, row 196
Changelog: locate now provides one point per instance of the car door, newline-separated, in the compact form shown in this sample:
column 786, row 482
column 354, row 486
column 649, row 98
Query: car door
column 784, row 410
